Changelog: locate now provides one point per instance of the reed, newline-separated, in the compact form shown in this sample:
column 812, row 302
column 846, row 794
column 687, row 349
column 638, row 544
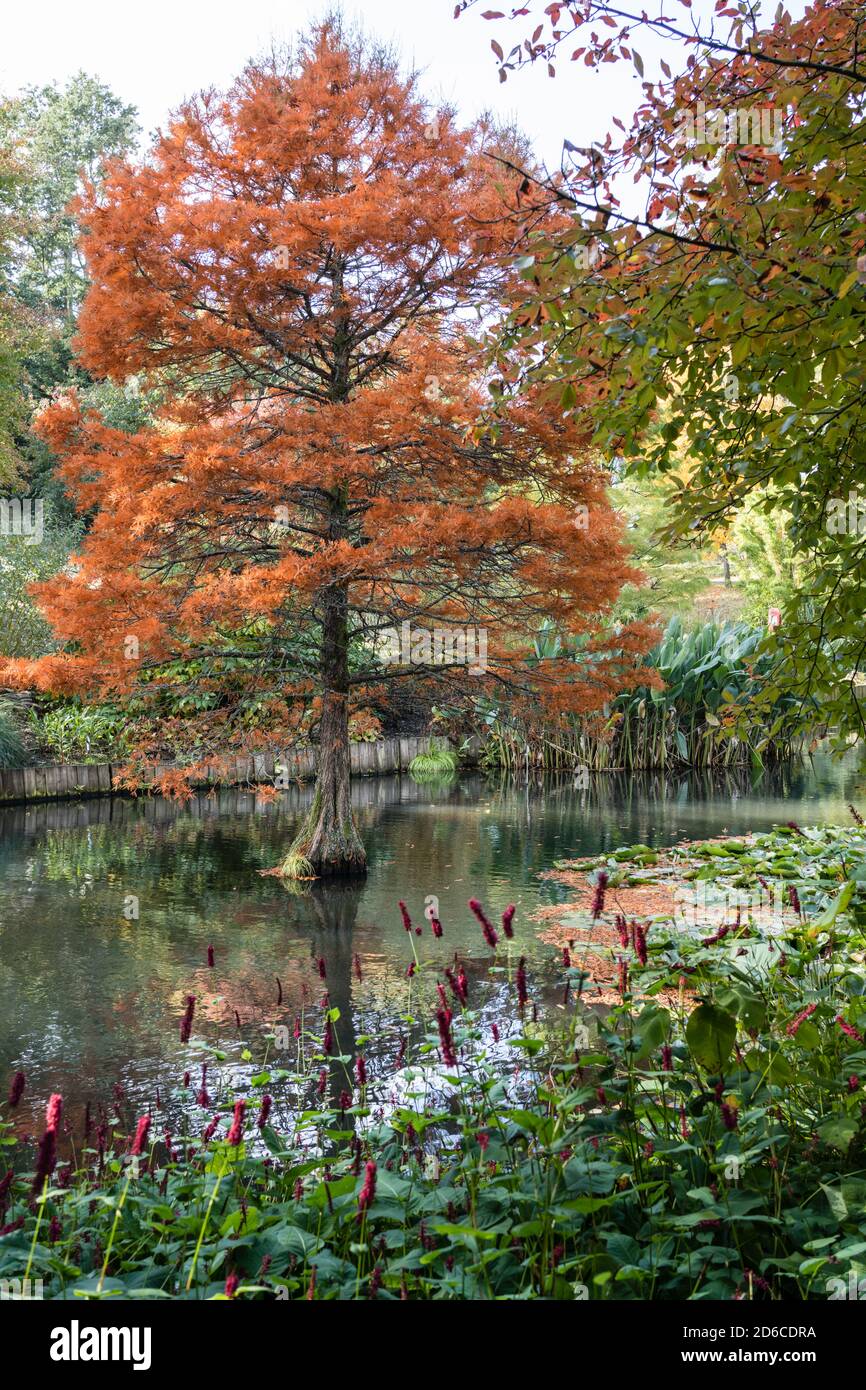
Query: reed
column 703, row 718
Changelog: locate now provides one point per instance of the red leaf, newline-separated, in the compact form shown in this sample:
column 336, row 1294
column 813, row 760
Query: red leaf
column 493, row 14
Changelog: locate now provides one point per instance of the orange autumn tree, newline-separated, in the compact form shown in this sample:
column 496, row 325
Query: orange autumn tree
column 295, row 270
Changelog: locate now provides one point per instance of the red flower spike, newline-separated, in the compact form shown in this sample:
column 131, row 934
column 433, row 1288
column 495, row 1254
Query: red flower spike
column 486, row 925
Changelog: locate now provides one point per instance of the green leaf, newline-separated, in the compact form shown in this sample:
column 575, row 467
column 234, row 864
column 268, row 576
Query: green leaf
column 464, row 1233
column 836, row 1202
column 826, row 918
column 710, row 1034
column 848, row 283
column 526, row 1119
column 651, row 1028
column 838, row 1133
column 340, row 1187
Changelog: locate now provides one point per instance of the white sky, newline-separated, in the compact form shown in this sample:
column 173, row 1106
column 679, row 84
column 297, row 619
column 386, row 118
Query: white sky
column 154, row 53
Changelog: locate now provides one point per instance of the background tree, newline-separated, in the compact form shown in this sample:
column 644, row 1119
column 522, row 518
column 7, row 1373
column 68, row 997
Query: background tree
column 23, row 630
column 727, row 287
column 769, row 570
column 295, row 268
column 67, row 135
column 683, row 578
column 12, row 328
column 49, row 139
column 59, row 136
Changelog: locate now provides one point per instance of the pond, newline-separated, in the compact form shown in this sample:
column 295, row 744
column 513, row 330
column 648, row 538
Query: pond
column 107, row 909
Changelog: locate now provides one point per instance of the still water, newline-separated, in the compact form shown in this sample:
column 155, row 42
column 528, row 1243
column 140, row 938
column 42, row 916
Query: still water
column 91, row 998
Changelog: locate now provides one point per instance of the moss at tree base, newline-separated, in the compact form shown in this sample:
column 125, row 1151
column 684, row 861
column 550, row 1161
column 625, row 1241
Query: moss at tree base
column 325, row 847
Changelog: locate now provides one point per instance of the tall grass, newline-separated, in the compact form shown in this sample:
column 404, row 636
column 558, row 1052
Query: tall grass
column 12, row 751
column 436, row 763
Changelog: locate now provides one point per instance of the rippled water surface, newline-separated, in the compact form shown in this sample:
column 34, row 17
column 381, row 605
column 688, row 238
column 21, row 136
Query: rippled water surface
column 89, row 999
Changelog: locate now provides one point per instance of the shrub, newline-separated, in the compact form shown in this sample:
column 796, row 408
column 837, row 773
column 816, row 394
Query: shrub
column 80, row 733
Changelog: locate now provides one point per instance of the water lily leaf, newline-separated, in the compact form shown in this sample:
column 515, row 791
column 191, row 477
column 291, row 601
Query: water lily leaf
column 826, row 918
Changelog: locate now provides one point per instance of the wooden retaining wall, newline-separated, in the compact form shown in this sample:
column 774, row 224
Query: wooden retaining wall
column 59, row 783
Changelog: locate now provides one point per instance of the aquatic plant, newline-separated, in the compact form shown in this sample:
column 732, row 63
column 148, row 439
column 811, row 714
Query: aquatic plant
column 297, row 866
column 706, row 713
column 435, row 763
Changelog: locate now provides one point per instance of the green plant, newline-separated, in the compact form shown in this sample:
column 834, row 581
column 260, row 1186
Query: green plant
column 434, row 764
column 24, row 632
column 12, row 751
column 297, row 866
column 703, row 715
column 80, row 733
column 708, row 711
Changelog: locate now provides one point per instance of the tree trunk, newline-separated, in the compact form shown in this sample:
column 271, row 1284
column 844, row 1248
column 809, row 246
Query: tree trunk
column 328, row 843
column 726, row 566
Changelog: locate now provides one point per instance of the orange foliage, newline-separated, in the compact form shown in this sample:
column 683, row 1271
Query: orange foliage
column 295, row 269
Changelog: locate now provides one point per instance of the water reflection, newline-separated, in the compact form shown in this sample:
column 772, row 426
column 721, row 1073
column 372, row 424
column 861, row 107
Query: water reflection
column 90, row 996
